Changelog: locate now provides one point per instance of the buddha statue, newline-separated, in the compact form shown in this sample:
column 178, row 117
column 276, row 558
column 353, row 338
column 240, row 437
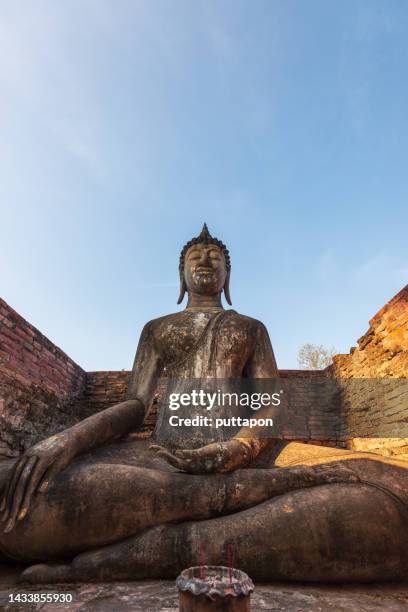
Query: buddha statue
column 94, row 502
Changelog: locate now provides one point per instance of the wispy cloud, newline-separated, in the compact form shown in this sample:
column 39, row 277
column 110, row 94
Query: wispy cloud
column 39, row 77
column 383, row 268
column 327, row 265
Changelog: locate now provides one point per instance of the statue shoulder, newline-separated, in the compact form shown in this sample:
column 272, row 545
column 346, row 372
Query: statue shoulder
column 155, row 323
column 250, row 322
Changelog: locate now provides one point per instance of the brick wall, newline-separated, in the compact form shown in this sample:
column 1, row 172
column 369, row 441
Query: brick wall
column 383, row 350
column 305, row 374
column 378, row 406
column 40, row 386
column 103, row 389
column 26, row 350
column 313, row 408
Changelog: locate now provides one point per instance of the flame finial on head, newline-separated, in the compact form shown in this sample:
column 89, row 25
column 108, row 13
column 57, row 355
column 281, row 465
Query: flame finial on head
column 205, row 235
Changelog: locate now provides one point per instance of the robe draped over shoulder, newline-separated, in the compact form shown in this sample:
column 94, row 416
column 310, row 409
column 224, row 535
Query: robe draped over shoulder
column 185, row 350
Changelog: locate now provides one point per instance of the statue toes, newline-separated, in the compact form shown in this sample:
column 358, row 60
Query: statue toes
column 45, row 574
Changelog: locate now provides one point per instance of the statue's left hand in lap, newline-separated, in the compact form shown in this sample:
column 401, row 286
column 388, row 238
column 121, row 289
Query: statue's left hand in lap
column 217, row 457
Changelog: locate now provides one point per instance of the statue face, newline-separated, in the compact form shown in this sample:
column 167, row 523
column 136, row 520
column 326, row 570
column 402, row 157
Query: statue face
column 204, row 269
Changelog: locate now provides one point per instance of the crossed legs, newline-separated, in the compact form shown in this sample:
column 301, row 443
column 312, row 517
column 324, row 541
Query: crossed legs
column 337, row 532
column 93, row 504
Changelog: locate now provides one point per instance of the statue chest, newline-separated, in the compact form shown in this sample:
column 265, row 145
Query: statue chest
column 193, row 347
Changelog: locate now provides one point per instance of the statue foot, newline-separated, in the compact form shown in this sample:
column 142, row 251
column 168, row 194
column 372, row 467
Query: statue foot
column 80, row 570
column 148, row 554
column 46, row 574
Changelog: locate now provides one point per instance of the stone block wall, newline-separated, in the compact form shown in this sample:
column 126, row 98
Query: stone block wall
column 382, row 352
column 103, row 389
column 378, row 406
column 25, row 349
column 41, row 388
column 313, row 406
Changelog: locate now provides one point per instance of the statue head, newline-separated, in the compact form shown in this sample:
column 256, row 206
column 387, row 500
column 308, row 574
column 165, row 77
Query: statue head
column 204, row 266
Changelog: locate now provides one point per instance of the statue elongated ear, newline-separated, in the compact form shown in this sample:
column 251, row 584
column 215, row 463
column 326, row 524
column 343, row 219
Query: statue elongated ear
column 183, row 288
column 227, row 289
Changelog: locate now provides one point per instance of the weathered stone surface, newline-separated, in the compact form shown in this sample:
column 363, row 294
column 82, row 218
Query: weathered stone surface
column 382, row 353
column 26, row 350
column 161, row 595
column 104, row 389
column 41, row 388
column 383, row 350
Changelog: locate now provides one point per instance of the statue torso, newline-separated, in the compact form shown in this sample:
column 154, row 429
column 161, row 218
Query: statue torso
column 183, row 341
column 184, row 349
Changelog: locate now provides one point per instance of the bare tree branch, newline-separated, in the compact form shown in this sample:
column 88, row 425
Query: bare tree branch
column 315, row 357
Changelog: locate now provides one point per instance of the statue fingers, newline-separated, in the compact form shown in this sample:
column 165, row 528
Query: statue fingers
column 203, row 467
column 209, row 451
column 19, row 493
column 14, row 473
column 12, row 483
column 36, row 476
column 186, row 454
column 163, row 452
column 4, row 496
column 173, row 460
column 47, row 476
column 158, row 449
column 44, row 481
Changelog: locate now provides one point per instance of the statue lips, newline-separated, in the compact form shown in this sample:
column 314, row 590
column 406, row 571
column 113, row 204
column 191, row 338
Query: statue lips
column 204, row 275
column 204, row 270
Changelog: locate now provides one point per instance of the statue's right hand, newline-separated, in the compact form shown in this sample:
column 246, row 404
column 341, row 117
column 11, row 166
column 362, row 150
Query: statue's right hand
column 33, row 472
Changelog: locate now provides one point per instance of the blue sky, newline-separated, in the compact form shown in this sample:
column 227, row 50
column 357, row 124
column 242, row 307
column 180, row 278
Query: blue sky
column 125, row 125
